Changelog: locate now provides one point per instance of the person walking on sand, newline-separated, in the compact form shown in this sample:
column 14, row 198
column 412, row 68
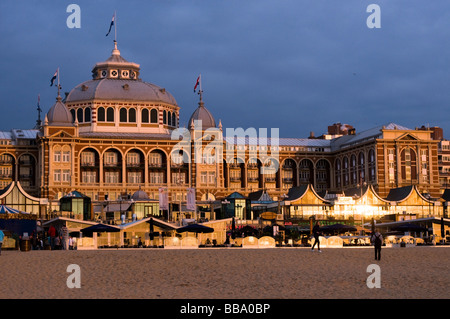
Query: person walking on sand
column 377, row 241
column 2, row 235
column 316, row 234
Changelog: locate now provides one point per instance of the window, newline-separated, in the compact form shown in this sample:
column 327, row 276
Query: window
column 204, row 177
column 144, row 116
column 111, row 158
column 211, row 178
column 66, row 176
column 101, row 114
column 174, row 120
column 57, row 156
column 88, row 158
column 66, row 156
column 164, row 117
column 154, row 116
column 134, row 177
column 155, row 159
column 133, row 158
column 110, row 114
column 123, row 115
column 157, row 177
column 57, row 176
column 72, row 111
column 112, row 177
column 169, row 118
column 89, row 177
column 178, row 178
column 132, row 115
column 80, row 115
column 87, row 114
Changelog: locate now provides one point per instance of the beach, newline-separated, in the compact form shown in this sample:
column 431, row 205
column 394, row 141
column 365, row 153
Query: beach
column 227, row 273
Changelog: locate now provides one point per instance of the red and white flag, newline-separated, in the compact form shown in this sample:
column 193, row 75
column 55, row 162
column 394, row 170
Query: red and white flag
column 198, row 82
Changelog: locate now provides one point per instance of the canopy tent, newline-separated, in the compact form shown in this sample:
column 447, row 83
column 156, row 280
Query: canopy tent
column 195, row 228
column 8, row 210
column 100, row 228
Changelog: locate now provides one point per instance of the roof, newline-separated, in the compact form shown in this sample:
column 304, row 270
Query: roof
column 59, row 114
column 399, row 194
column 296, row 192
column 140, row 195
column 303, row 142
column 118, row 89
column 202, row 114
column 259, row 196
column 119, row 135
column 75, row 194
column 446, row 195
column 235, row 195
column 370, row 134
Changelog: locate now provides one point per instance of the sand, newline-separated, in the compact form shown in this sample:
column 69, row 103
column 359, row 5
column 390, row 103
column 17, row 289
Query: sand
column 233, row 273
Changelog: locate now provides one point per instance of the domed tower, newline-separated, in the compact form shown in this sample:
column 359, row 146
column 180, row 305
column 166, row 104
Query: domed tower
column 116, row 100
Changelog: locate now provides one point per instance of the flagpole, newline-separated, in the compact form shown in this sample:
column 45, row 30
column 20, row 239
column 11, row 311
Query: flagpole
column 58, row 83
column 200, row 92
column 115, row 26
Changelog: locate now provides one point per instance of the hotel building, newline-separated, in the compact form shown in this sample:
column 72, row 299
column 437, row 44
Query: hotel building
column 116, row 134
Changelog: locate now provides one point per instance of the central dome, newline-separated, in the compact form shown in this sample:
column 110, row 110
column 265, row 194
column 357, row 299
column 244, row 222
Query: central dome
column 118, row 79
column 121, row 90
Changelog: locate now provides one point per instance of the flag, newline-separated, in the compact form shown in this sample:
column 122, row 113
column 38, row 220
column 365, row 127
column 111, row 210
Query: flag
column 39, row 103
column 112, row 23
column 190, row 199
column 163, row 199
column 197, row 83
column 53, row 78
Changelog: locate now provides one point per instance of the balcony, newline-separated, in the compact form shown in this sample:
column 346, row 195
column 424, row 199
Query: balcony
column 235, row 179
column 270, row 179
column 112, row 165
column 235, row 165
column 253, row 179
column 287, row 180
column 6, row 176
column 252, row 166
column 88, row 164
column 157, row 165
column 135, row 165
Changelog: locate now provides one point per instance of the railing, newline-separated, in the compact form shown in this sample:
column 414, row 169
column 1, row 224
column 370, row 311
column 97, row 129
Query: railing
column 270, row 179
column 112, row 165
column 235, row 179
column 135, row 165
column 157, row 165
column 88, row 164
column 8, row 176
column 25, row 176
column 253, row 179
column 287, row 180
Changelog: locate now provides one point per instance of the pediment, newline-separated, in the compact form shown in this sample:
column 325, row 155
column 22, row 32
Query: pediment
column 407, row 137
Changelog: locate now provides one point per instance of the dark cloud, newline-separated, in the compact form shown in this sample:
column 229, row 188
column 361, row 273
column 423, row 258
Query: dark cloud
column 298, row 65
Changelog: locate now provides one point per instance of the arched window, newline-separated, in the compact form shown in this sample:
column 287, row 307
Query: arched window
column 144, row 116
column 164, row 117
column 154, row 116
column 87, row 114
column 123, row 115
column 174, row 122
column 101, row 114
column 110, row 114
column 72, row 111
column 132, row 115
column 169, row 118
column 80, row 115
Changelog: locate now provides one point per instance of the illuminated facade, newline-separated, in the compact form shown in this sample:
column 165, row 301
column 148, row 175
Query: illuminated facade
column 116, row 134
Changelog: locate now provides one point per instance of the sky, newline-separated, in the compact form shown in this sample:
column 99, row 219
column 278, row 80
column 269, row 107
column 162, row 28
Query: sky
column 295, row 65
